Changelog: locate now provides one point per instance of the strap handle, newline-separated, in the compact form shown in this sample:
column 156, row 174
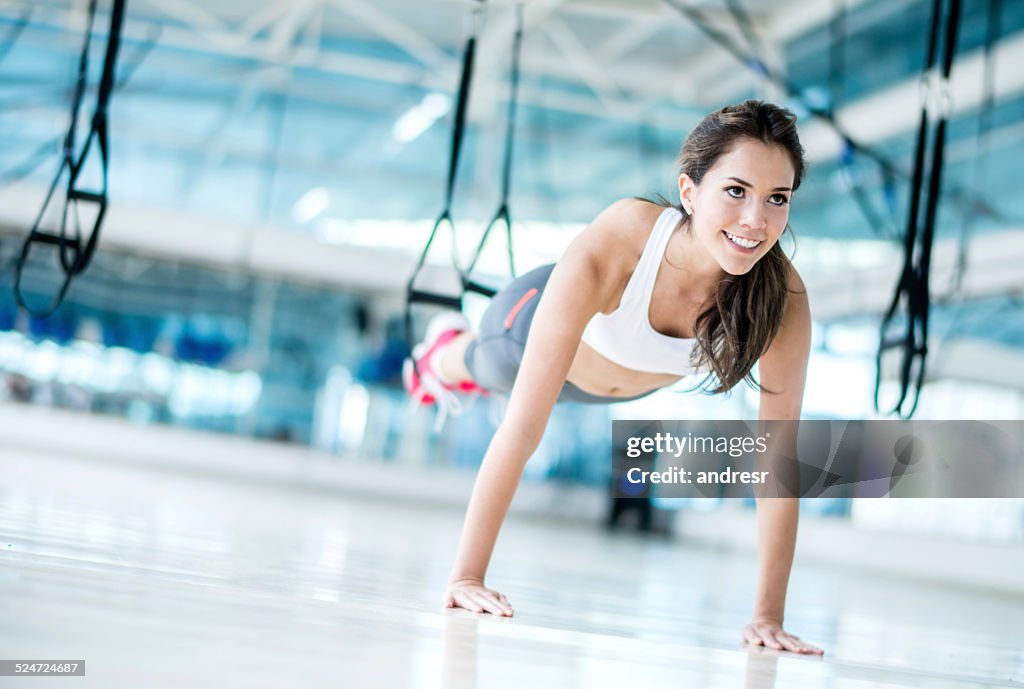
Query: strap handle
column 502, row 213
column 414, row 295
column 75, row 254
column 458, row 134
column 913, row 288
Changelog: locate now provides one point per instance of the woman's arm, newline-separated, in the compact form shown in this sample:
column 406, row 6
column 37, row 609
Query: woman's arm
column 578, row 288
column 783, row 370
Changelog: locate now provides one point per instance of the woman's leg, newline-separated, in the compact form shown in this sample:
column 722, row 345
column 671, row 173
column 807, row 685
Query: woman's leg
column 489, row 358
column 451, row 360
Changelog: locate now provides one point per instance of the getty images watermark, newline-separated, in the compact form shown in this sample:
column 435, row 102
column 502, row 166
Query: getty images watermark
column 812, row 458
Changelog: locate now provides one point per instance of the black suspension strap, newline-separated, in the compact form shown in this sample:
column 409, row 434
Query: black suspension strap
column 912, row 289
column 413, row 294
column 978, row 176
column 502, row 213
column 127, row 66
column 75, row 253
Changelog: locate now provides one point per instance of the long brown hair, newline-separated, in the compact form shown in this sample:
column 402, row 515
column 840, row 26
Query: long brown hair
column 737, row 329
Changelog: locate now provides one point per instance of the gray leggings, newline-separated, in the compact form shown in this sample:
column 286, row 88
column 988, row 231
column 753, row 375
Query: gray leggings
column 493, row 358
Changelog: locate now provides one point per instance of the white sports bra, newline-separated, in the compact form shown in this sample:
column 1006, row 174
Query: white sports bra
column 626, row 336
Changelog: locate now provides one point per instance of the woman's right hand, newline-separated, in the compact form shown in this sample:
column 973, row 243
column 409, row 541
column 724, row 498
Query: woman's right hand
column 472, row 595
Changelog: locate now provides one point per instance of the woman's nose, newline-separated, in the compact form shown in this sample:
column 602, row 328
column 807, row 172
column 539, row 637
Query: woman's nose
column 753, row 217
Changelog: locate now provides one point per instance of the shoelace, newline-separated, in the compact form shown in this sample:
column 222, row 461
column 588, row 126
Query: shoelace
column 446, row 400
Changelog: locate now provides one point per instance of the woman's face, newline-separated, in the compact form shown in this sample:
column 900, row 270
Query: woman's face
column 741, row 207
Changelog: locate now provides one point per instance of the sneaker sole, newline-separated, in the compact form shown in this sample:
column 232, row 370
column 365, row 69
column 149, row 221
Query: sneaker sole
column 442, row 323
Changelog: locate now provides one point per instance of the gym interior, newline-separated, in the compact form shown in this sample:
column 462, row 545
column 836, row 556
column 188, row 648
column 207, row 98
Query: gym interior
column 223, row 225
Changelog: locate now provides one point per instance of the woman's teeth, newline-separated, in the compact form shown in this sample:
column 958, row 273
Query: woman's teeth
column 739, row 241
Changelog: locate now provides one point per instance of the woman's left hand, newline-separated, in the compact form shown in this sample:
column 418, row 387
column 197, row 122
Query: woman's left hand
column 770, row 634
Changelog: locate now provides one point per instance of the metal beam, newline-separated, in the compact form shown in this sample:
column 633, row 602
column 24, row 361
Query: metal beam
column 397, row 32
column 242, row 45
column 717, row 77
column 594, row 75
column 627, row 39
column 285, row 31
column 261, row 20
column 897, row 109
column 189, row 13
column 493, row 54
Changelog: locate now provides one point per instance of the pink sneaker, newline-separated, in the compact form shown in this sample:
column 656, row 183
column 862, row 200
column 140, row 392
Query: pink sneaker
column 422, row 382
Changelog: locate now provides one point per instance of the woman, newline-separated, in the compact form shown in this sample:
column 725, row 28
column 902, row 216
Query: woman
column 646, row 294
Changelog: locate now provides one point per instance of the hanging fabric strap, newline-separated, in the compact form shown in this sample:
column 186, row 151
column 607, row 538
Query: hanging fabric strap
column 74, row 252
column 412, row 293
column 502, row 214
column 912, row 289
column 127, row 65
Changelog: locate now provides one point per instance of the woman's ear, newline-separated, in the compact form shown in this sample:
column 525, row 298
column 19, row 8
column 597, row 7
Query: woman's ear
column 687, row 190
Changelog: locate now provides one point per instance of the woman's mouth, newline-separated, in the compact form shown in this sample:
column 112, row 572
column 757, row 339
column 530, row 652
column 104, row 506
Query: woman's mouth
column 741, row 244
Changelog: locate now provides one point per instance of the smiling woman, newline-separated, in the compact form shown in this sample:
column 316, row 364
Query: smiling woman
column 645, row 295
column 756, row 163
column 699, row 285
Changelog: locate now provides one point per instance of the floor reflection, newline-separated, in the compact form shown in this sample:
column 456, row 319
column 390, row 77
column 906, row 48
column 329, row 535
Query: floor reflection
column 171, row 580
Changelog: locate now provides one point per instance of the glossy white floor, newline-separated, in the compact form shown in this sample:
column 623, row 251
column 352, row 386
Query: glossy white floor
column 161, row 579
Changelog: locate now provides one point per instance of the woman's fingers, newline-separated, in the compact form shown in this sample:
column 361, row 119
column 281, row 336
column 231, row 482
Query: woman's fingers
column 505, row 603
column 498, row 603
column 465, row 599
column 789, row 642
column 809, row 648
column 796, row 644
column 771, row 636
column 488, row 602
column 767, row 637
column 750, row 636
column 478, row 599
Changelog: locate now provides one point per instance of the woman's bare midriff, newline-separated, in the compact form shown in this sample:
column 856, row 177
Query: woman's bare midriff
column 593, row 373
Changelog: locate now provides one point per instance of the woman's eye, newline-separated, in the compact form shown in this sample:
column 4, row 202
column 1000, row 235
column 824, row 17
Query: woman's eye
column 735, row 192
column 778, row 200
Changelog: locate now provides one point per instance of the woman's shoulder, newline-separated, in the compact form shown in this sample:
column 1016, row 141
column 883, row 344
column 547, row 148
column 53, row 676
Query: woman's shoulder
column 620, row 232
column 631, row 214
column 797, row 306
column 610, row 247
column 794, row 283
